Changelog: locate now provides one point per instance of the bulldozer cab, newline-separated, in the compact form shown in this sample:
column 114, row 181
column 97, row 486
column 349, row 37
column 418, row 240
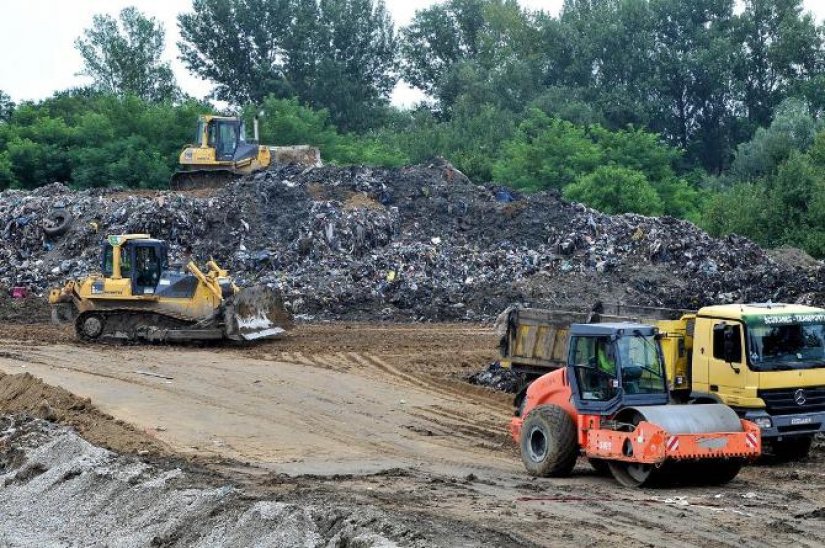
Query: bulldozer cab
column 615, row 365
column 141, row 260
column 224, row 135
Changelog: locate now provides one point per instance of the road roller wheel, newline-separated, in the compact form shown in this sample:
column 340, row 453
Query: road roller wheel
column 632, row 474
column 549, row 447
column 600, row 466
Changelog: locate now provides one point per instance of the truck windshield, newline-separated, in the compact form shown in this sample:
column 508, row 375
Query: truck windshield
column 786, row 346
column 642, row 371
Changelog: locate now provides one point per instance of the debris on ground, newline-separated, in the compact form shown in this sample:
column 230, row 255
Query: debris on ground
column 499, row 378
column 417, row 243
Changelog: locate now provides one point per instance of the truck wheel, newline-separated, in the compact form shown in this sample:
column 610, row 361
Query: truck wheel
column 549, row 447
column 791, row 449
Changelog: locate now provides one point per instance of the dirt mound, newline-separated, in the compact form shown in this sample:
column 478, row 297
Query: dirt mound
column 793, row 257
column 57, row 486
column 25, row 393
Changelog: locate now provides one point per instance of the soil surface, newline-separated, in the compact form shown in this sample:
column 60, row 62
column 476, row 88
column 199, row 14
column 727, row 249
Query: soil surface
column 379, row 417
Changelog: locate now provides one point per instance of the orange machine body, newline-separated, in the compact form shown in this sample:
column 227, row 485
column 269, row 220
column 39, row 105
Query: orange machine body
column 646, row 443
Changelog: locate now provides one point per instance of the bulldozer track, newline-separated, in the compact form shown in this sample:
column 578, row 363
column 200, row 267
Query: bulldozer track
column 130, row 320
column 464, row 391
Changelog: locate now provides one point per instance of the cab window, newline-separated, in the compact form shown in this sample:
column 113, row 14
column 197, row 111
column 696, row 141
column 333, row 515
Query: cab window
column 107, row 261
column 125, row 262
column 147, row 263
column 595, row 367
column 727, row 343
column 642, row 368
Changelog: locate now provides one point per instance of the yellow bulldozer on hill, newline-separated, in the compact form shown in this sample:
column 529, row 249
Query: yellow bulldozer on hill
column 221, row 153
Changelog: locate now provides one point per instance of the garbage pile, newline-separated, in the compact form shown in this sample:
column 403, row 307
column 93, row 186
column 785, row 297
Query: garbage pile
column 499, row 378
column 420, row 242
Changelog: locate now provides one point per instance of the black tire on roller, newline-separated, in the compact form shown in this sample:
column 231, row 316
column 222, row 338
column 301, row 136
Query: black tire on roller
column 791, row 449
column 57, row 222
column 600, row 466
column 549, row 445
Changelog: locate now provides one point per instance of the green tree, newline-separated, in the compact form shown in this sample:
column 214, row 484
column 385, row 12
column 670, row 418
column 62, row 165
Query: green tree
column 793, row 129
column 287, row 122
column 340, row 55
column 6, row 174
column 546, row 153
column 488, row 50
column 781, row 50
column 124, row 57
column 616, row 189
column 6, row 107
column 740, row 209
column 90, row 138
column 790, row 194
column 439, row 37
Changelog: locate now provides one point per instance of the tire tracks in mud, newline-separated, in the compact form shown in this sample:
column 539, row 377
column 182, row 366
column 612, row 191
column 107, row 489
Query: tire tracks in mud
column 112, row 365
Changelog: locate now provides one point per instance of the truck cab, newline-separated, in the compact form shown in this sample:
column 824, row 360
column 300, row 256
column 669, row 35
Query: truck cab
column 766, row 361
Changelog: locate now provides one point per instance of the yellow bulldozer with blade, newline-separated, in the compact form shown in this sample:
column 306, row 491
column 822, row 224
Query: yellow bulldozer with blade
column 139, row 296
column 221, row 153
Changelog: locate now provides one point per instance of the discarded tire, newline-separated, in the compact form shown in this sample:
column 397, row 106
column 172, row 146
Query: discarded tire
column 56, row 223
column 548, row 442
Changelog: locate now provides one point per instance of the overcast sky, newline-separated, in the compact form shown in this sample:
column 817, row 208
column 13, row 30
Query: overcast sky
column 38, row 54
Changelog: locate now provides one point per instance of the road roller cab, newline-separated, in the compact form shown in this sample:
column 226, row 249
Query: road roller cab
column 611, row 403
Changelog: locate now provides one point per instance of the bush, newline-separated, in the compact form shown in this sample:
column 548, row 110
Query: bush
column 615, row 189
column 546, row 153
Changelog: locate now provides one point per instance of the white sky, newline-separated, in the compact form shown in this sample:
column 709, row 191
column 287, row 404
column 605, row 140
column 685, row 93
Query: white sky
column 37, row 40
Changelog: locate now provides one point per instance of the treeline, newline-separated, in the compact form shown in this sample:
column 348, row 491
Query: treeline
column 691, row 109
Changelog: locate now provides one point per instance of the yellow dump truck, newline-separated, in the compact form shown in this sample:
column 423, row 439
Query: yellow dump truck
column 766, row 361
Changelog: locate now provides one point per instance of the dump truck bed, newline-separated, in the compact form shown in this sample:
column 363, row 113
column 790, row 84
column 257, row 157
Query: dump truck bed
column 535, row 340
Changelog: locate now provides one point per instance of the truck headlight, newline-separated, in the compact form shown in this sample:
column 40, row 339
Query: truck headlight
column 763, row 422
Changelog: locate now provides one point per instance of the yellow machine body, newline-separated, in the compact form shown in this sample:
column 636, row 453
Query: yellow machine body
column 221, row 152
column 138, row 296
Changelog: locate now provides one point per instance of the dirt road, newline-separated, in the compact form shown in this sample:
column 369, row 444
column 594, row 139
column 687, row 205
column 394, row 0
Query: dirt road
column 382, row 414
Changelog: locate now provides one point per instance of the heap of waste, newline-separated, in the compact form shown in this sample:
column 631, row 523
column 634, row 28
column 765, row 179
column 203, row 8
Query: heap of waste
column 419, row 242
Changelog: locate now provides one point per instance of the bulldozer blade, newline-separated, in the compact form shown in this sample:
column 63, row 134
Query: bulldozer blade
column 63, row 313
column 256, row 313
